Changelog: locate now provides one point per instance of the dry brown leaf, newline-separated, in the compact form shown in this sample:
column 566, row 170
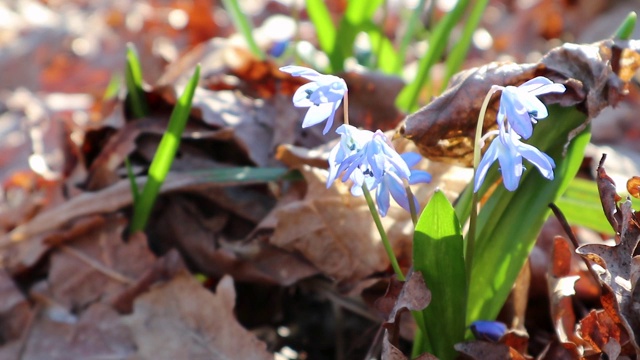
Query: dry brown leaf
column 561, row 290
column 615, row 268
column 444, row 129
column 182, row 320
column 98, row 332
column 15, row 310
column 410, row 295
column 483, row 350
column 98, row 265
column 197, row 230
column 333, row 230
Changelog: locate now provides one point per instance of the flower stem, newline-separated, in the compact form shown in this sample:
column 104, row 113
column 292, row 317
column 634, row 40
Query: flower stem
column 346, row 108
column 383, row 234
column 412, row 204
column 473, row 217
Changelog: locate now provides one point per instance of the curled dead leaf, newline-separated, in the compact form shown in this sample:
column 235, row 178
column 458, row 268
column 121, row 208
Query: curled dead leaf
column 445, row 128
column 182, row 320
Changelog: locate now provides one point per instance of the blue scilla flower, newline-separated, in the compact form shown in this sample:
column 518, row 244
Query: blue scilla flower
column 488, row 330
column 368, row 158
column 522, row 108
column 509, row 151
column 322, row 95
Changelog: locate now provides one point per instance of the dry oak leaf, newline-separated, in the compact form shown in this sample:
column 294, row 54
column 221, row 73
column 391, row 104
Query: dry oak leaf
column 596, row 76
column 99, row 332
column 412, row 295
column 98, row 265
column 334, row 231
column 614, row 265
column 182, row 320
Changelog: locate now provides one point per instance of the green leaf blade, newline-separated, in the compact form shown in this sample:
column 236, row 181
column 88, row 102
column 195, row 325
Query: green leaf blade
column 243, row 26
column 438, row 253
column 136, row 100
column 164, row 156
column 408, row 98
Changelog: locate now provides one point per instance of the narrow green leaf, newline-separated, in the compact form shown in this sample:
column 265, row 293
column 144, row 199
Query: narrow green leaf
column 355, row 19
column 165, row 154
column 136, row 100
column 321, row 19
column 408, row 98
column 243, row 25
column 625, row 29
column 509, row 222
column 386, row 55
column 438, row 255
column 581, row 205
column 459, row 52
column 408, row 36
column 132, row 181
column 113, row 87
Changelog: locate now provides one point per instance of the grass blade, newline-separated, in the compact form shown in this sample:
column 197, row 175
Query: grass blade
column 459, row 52
column 325, row 30
column 408, row 98
column 164, row 155
column 243, row 25
column 136, row 100
column 408, row 36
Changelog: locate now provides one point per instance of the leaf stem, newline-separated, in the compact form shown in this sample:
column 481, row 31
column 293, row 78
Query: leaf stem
column 383, row 234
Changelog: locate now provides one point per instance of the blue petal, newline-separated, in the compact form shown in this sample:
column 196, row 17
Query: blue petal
column 542, row 161
column 535, row 83
column 398, row 192
column 333, row 165
column 328, row 92
column 419, row 176
column 510, row 164
column 329, row 124
column 535, row 107
column 302, row 71
column 541, row 85
column 411, row 158
column 517, row 114
column 317, row 114
column 553, row 88
column 301, row 96
column 382, row 198
column 490, row 156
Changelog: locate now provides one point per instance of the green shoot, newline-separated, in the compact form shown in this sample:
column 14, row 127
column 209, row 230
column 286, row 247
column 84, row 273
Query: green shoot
column 164, row 156
column 408, row 98
column 625, row 29
column 243, row 25
column 136, row 100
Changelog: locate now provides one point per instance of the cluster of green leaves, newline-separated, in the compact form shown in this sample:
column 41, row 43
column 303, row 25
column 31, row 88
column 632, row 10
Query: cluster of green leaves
column 338, row 42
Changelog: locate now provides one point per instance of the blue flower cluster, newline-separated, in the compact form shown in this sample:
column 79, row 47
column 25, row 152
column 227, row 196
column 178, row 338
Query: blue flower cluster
column 519, row 110
column 366, row 158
